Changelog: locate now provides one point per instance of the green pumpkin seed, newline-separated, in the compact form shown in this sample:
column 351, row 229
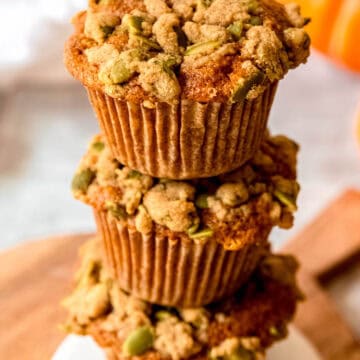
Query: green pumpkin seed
column 235, row 29
column 133, row 24
column 107, row 30
column 244, row 86
column 120, row 73
column 116, row 210
column 167, row 66
column 139, row 341
column 253, row 6
column 203, row 47
column 162, row 315
column 98, row 146
column 171, row 62
column 255, row 20
column 202, row 234
column 82, row 180
column 145, row 42
column 192, row 229
column 133, row 174
column 286, row 200
column 201, row 201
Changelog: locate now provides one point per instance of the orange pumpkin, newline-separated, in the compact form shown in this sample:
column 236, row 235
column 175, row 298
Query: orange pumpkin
column 335, row 28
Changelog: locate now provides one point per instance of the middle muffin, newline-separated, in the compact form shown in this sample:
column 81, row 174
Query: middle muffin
column 188, row 243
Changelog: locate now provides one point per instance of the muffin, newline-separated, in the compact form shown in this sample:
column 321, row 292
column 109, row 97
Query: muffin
column 188, row 243
column 240, row 327
column 183, row 89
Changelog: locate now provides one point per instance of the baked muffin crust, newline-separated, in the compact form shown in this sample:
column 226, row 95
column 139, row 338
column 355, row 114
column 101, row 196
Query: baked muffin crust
column 237, row 207
column 157, row 50
column 246, row 323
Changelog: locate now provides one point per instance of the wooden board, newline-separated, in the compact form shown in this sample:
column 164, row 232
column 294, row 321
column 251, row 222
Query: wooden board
column 332, row 238
column 324, row 246
column 34, row 278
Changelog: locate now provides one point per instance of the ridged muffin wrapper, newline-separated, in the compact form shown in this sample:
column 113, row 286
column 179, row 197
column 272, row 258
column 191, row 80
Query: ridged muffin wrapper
column 184, row 140
column 174, row 273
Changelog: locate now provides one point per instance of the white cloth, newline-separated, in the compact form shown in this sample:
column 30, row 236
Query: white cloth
column 32, row 34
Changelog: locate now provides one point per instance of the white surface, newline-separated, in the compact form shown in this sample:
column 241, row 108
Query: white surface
column 296, row 347
column 77, row 347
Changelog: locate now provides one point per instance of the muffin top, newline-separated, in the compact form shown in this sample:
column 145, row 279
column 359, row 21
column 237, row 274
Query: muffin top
column 200, row 50
column 240, row 327
column 233, row 207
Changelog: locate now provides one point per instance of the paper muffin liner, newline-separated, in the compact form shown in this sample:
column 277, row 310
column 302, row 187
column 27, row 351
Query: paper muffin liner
column 174, row 273
column 184, row 140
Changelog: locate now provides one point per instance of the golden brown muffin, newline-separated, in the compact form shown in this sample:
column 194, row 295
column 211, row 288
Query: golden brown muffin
column 203, row 51
column 245, row 324
column 183, row 89
column 163, row 238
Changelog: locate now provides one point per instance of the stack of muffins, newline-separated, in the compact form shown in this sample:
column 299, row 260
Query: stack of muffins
column 185, row 181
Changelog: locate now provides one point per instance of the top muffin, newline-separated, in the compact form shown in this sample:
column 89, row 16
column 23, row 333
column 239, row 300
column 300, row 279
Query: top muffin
column 200, row 50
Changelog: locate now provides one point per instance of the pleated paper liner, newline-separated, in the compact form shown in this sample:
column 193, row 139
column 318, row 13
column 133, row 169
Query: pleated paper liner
column 174, row 273
column 185, row 140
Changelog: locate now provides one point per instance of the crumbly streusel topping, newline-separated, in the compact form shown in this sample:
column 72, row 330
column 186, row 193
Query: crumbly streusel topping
column 174, row 333
column 204, row 50
column 265, row 188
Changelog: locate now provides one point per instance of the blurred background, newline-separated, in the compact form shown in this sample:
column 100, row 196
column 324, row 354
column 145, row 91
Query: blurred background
column 46, row 121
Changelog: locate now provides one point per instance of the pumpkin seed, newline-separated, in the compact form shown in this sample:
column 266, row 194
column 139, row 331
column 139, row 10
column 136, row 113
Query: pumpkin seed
column 201, row 201
column 255, row 20
column 202, row 234
column 116, row 210
column 286, row 199
column 244, row 86
column 139, row 341
column 98, row 146
column 202, row 47
column 82, row 180
column 133, row 24
column 119, row 72
column 235, row 29
column 162, row 315
column 145, row 42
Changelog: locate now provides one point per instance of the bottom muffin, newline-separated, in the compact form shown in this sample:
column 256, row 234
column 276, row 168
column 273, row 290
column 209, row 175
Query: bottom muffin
column 241, row 327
